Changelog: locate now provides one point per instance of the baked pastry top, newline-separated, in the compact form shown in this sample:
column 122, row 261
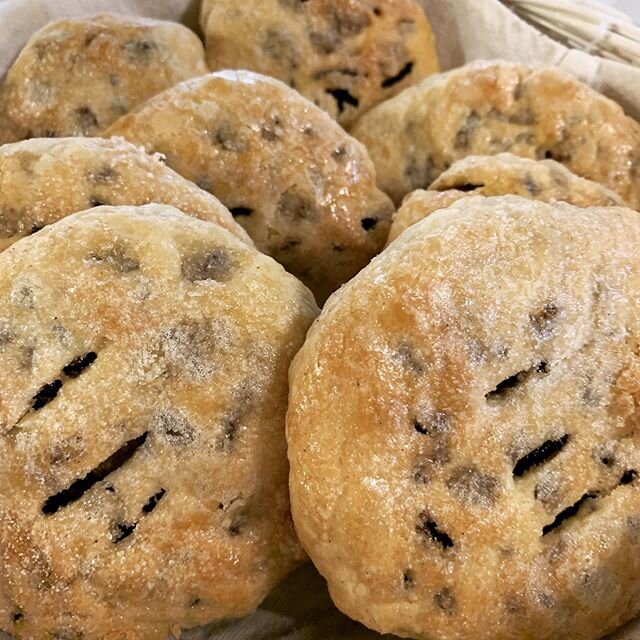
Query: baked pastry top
column 44, row 179
column 303, row 189
column 503, row 174
column 463, row 427
column 486, row 108
column 142, row 403
column 78, row 75
column 344, row 55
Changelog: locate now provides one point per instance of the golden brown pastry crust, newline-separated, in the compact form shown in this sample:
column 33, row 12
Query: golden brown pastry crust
column 299, row 185
column 463, row 427
column 344, row 55
column 504, row 174
column 45, row 179
column 487, row 108
column 143, row 389
column 78, row 75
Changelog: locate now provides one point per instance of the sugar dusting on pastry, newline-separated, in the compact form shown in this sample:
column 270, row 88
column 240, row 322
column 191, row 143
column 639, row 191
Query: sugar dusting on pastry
column 145, row 474
column 463, row 431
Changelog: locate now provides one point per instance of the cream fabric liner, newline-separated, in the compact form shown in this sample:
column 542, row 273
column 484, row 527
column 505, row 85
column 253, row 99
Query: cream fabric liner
column 300, row 609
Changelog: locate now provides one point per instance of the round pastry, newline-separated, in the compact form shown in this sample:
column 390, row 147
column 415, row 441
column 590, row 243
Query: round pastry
column 504, row 174
column 344, row 55
column 43, row 180
column 144, row 478
column 78, row 75
column 300, row 186
column 486, row 108
column 463, row 427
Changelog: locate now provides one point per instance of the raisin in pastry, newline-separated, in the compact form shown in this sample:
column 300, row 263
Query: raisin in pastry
column 143, row 389
column 78, row 75
column 463, row 427
column 504, row 174
column 300, row 186
column 344, row 55
column 45, row 179
column 486, row 108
